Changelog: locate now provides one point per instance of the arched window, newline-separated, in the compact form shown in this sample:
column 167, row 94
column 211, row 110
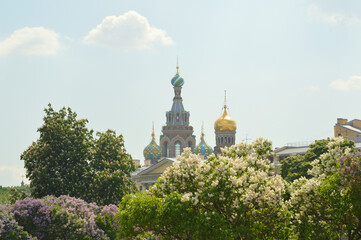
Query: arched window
column 177, row 149
column 190, row 144
column 177, row 117
column 221, row 139
column 140, row 188
column 166, row 149
column 229, row 139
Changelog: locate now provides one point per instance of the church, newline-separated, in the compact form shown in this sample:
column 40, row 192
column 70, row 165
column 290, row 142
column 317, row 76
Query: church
column 176, row 135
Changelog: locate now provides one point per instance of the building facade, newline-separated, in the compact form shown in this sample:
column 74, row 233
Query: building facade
column 348, row 129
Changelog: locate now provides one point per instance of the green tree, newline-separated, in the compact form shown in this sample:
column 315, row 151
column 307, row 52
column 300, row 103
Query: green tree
column 231, row 196
column 6, row 193
column 322, row 206
column 67, row 160
column 14, row 196
column 112, row 166
column 57, row 163
column 294, row 167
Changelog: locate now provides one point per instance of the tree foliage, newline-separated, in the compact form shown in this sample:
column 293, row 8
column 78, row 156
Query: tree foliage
column 321, row 205
column 294, row 167
column 68, row 160
column 112, row 166
column 11, row 194
column 235, row 196
column 232, row 196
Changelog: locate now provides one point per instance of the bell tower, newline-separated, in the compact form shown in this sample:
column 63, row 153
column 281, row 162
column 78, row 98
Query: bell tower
column 224, row 129
column 177, row 133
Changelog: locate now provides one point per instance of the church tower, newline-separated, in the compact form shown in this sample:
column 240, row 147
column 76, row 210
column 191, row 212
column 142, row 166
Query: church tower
column 177, row 133
column 225, row 130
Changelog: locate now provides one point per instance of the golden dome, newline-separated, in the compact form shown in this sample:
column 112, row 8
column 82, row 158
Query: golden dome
column 225, row 122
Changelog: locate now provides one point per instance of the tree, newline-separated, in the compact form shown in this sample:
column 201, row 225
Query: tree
column 67, row 160
column 11, row 194
column 232, row 196
column 294, row 167
column 321, row 206
column 112, row 166
column 57, row 163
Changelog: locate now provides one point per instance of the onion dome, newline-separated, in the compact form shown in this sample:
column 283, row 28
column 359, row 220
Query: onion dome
column 153, row 150
column 203, row 148
column 177, row 80
column 225, row 122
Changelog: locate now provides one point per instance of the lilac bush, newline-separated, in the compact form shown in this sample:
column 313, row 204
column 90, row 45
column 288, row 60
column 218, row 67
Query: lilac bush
column 85, row 211
column 9, row 227
column 61, row 217
column 33, row 214
column 107, row 221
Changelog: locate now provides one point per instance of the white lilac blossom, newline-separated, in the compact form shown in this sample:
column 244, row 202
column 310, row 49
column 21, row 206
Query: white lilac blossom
column 236, row 185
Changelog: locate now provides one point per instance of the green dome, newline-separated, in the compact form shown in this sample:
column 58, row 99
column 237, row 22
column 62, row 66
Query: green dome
column 152, row 151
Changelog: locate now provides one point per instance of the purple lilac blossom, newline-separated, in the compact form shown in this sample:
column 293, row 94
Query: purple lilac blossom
column 350, row 169
column 85, row 211
column 9, row 227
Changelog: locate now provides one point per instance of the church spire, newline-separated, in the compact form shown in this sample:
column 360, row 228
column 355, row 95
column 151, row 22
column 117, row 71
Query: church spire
column 153, row 135
column 177, row 66
column 202, row 133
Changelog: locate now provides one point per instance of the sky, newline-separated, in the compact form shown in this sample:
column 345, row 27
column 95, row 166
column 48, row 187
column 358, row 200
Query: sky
column 290, row 68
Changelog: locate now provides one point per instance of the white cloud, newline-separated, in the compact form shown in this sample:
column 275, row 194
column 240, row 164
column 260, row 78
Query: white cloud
column 314, row 12
column 354, row 82
column 31, row 41
column 314, row 89
column 128, row 31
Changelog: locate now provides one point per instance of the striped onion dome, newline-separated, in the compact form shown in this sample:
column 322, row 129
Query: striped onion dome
column 177, row 80
column 152, row 151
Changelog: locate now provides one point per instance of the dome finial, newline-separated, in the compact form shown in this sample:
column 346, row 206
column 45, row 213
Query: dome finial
column 202, row 133
column 225, row 99
column 177, row 66
column 153, row 135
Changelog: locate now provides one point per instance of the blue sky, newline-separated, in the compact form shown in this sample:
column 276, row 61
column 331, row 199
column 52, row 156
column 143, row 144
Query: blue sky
column 290, row 68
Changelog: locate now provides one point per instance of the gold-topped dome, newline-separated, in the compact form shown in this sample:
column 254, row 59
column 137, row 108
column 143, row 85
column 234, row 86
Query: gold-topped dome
column 225, row 122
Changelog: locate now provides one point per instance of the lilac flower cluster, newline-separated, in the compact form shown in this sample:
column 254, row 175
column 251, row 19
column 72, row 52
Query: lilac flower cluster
column 85, row 211
column 45, row 218
column 110, row 211
column 33, row 214
column 9, row 227
column 350, row 169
